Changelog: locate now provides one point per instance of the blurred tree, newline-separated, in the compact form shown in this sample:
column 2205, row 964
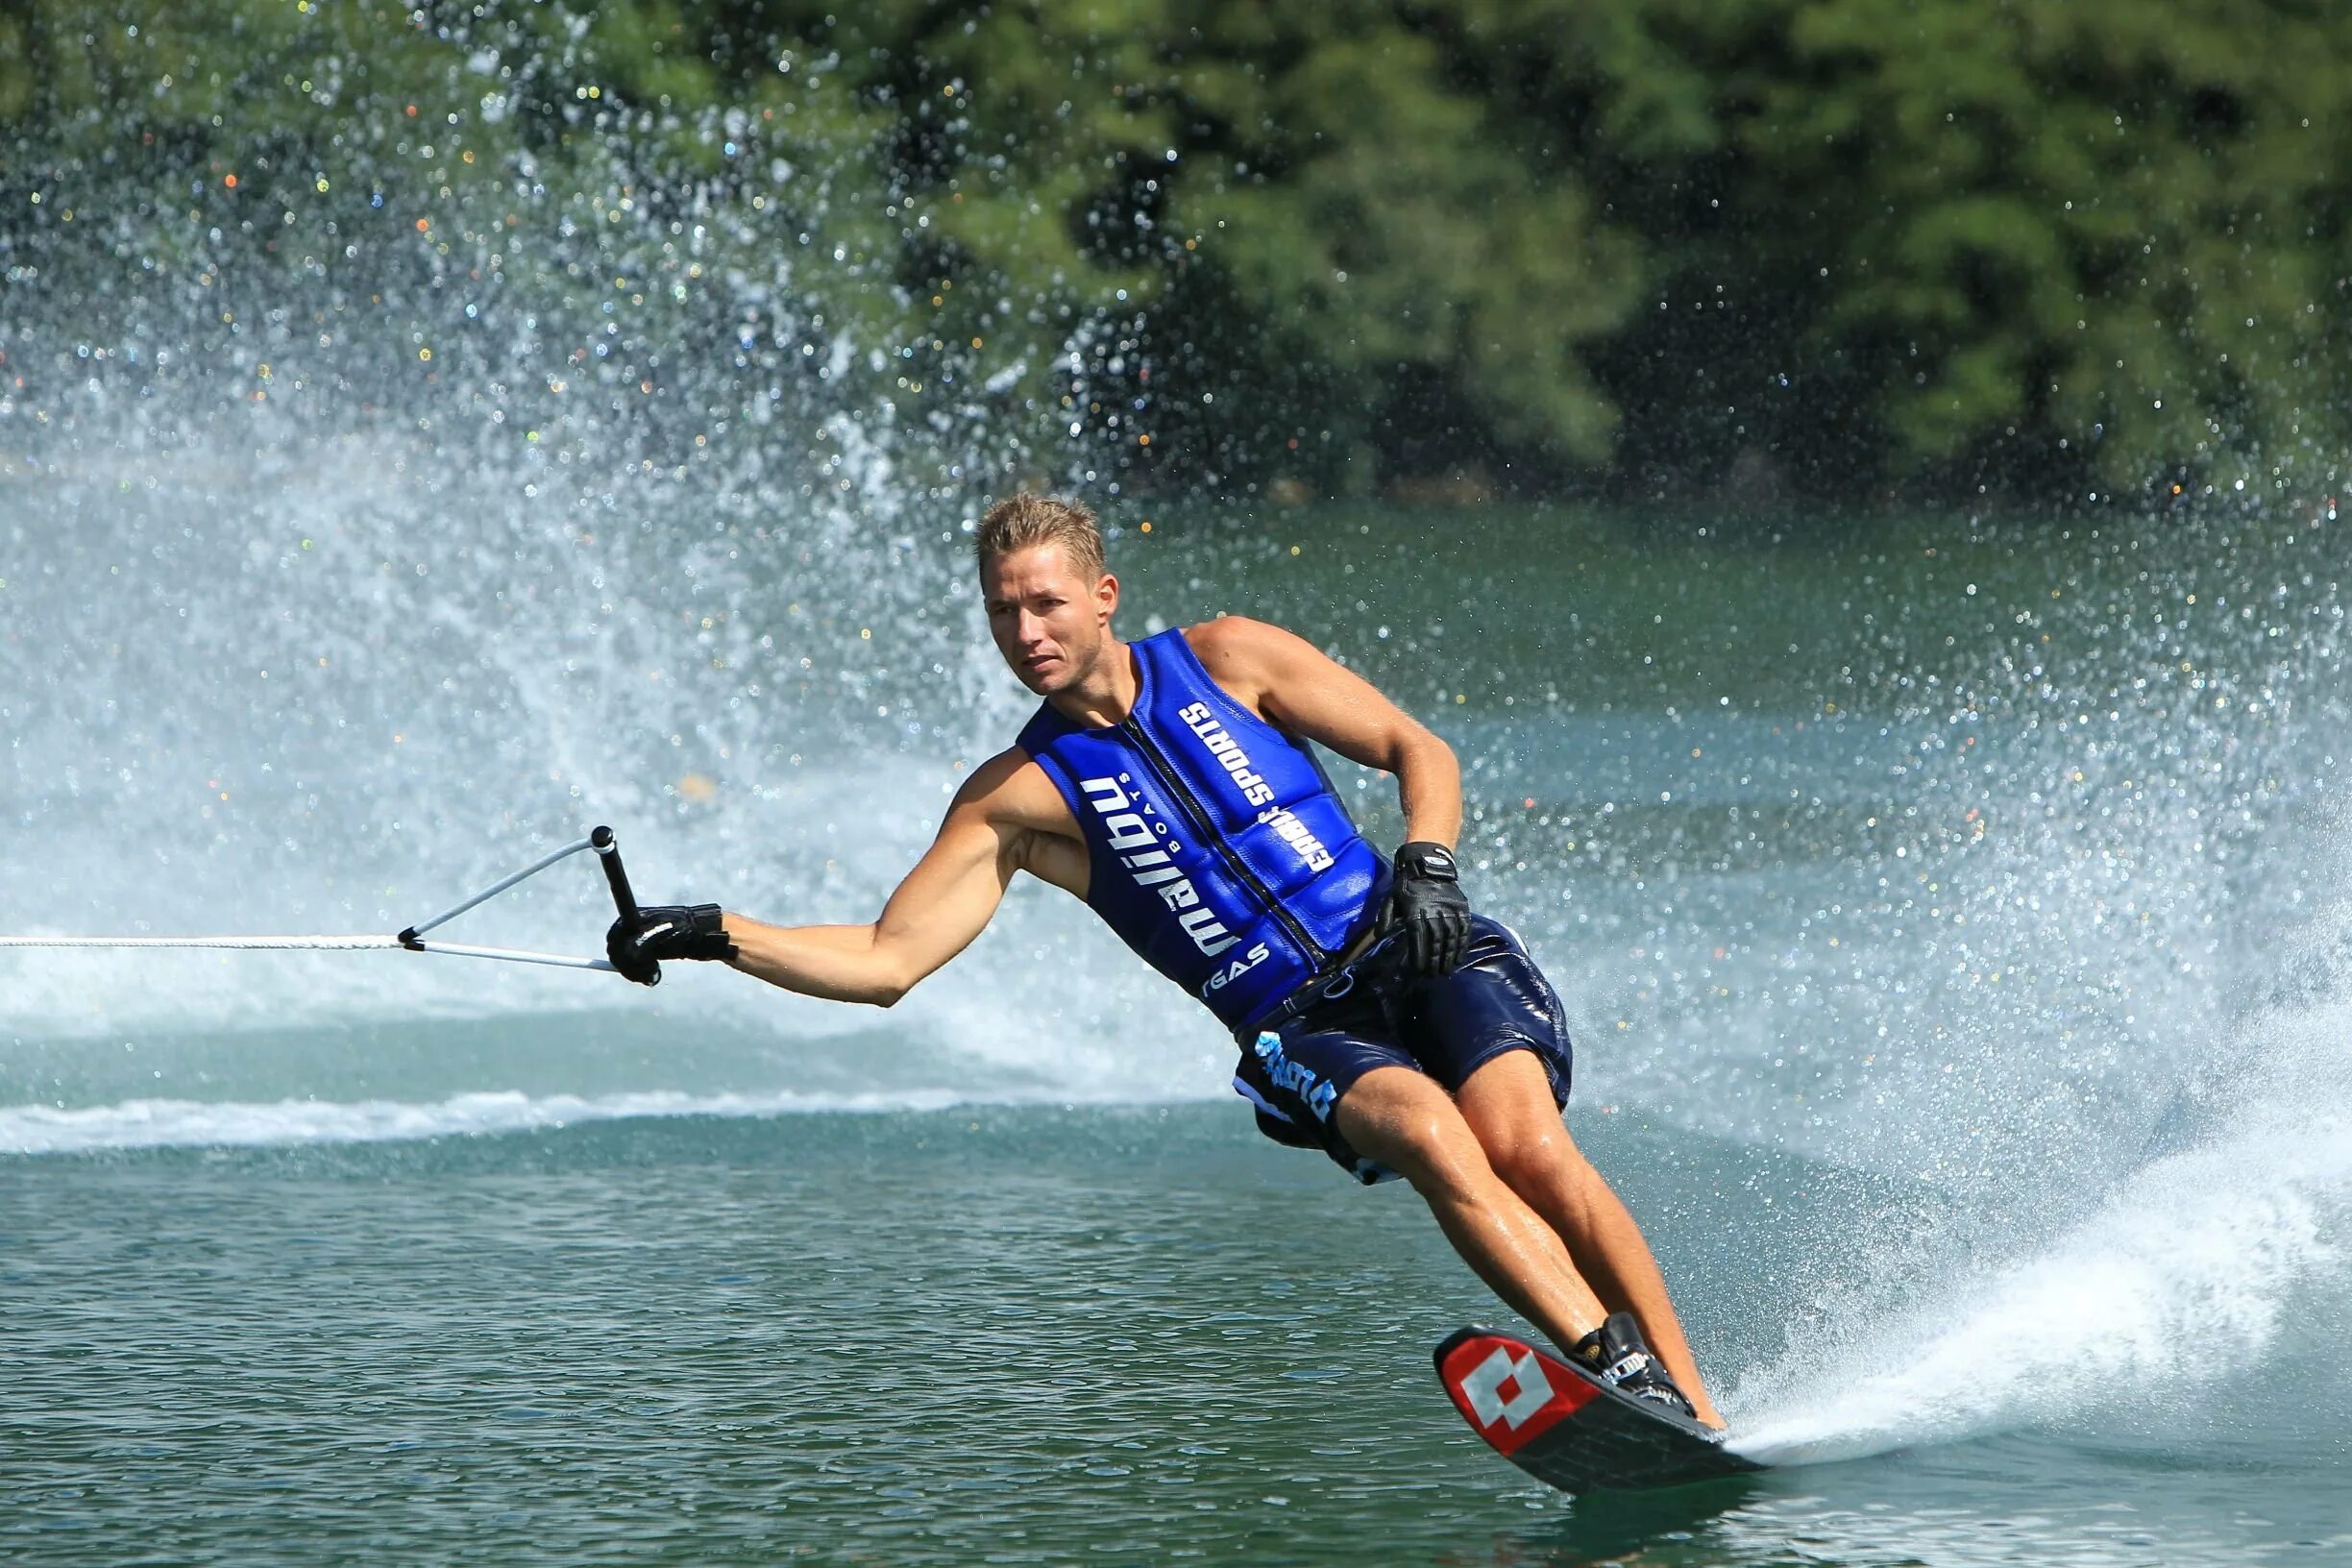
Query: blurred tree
column 1076, row 167
column 1839, row 240
column 2107, row 226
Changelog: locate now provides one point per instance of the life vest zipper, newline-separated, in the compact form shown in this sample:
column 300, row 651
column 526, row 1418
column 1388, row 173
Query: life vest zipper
column 1318, row 955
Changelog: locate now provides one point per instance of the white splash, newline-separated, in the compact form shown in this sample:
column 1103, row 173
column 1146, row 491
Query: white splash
column 2180, row 1283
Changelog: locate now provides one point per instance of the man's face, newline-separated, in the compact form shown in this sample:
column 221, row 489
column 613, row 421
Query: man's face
column 1051, row 624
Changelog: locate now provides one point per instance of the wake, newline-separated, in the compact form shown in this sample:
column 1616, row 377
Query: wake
column 169, row 1123
column 2184, row 1282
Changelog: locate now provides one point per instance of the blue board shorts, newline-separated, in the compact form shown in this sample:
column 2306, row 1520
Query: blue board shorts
column 1296, row 1072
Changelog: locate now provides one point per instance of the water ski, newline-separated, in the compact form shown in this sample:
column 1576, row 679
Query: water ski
column 1564, row 1426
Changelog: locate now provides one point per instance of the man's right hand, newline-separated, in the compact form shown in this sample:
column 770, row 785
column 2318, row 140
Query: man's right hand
column 637, row 948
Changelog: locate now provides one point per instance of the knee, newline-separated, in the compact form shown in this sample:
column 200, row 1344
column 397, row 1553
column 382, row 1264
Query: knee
column 1541, row 1159
column 1438, row 1165
column 1423, row 1140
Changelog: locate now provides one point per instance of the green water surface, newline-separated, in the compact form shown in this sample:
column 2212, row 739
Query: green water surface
column 969, row 1337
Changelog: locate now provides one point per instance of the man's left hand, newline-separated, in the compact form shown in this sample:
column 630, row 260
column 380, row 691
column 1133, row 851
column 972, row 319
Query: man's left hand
column 1429, row 907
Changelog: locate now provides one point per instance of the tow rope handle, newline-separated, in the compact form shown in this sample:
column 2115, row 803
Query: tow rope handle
column 616, row 877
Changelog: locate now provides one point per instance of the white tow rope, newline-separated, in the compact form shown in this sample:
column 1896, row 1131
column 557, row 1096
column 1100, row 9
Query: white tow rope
column 413, row 940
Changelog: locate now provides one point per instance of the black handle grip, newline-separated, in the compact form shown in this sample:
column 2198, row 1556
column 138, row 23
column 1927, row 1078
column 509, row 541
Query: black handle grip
column 616, row 877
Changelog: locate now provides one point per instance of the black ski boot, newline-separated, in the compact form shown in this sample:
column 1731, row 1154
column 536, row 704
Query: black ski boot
column 1616, row 1352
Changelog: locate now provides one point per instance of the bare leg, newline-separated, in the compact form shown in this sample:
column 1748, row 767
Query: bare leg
column 1508, row 1103
column 1407, row 1122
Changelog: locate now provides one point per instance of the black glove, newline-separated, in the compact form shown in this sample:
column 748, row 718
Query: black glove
column 637, row 948
column 1427, row 904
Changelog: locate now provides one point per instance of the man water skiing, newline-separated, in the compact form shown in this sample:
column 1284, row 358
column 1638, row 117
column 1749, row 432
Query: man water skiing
column 1168, row 783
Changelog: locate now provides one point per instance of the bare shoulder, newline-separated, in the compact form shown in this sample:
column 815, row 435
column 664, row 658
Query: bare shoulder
column 1011, row 791
column 1249, row 657
column 1294, row 685
column 1036, row 829
column 1239, row 638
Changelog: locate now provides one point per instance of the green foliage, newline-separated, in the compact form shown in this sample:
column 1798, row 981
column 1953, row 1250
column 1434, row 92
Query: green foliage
column 2097, row 239
column 2118, row 225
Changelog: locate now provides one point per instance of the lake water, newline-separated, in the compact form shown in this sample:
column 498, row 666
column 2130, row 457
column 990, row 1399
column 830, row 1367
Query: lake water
column 1950, row 912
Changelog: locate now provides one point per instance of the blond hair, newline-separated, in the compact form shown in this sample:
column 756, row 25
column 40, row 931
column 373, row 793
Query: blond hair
column 1020, row 522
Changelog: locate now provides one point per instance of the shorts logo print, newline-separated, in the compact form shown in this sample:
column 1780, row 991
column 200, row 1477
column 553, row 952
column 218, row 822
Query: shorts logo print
column 1318, row 1093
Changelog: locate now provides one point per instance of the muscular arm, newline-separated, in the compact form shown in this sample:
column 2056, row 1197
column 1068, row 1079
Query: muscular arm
column 992, row 830
column 1291, row 683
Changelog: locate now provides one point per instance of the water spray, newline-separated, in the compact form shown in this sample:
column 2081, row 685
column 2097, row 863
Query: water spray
column 412, row 938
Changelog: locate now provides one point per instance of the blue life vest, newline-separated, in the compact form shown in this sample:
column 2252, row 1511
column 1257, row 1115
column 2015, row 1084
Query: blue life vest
column 1218, row 849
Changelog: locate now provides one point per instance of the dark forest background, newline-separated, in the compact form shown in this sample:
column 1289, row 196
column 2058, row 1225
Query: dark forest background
column 1748, row 251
